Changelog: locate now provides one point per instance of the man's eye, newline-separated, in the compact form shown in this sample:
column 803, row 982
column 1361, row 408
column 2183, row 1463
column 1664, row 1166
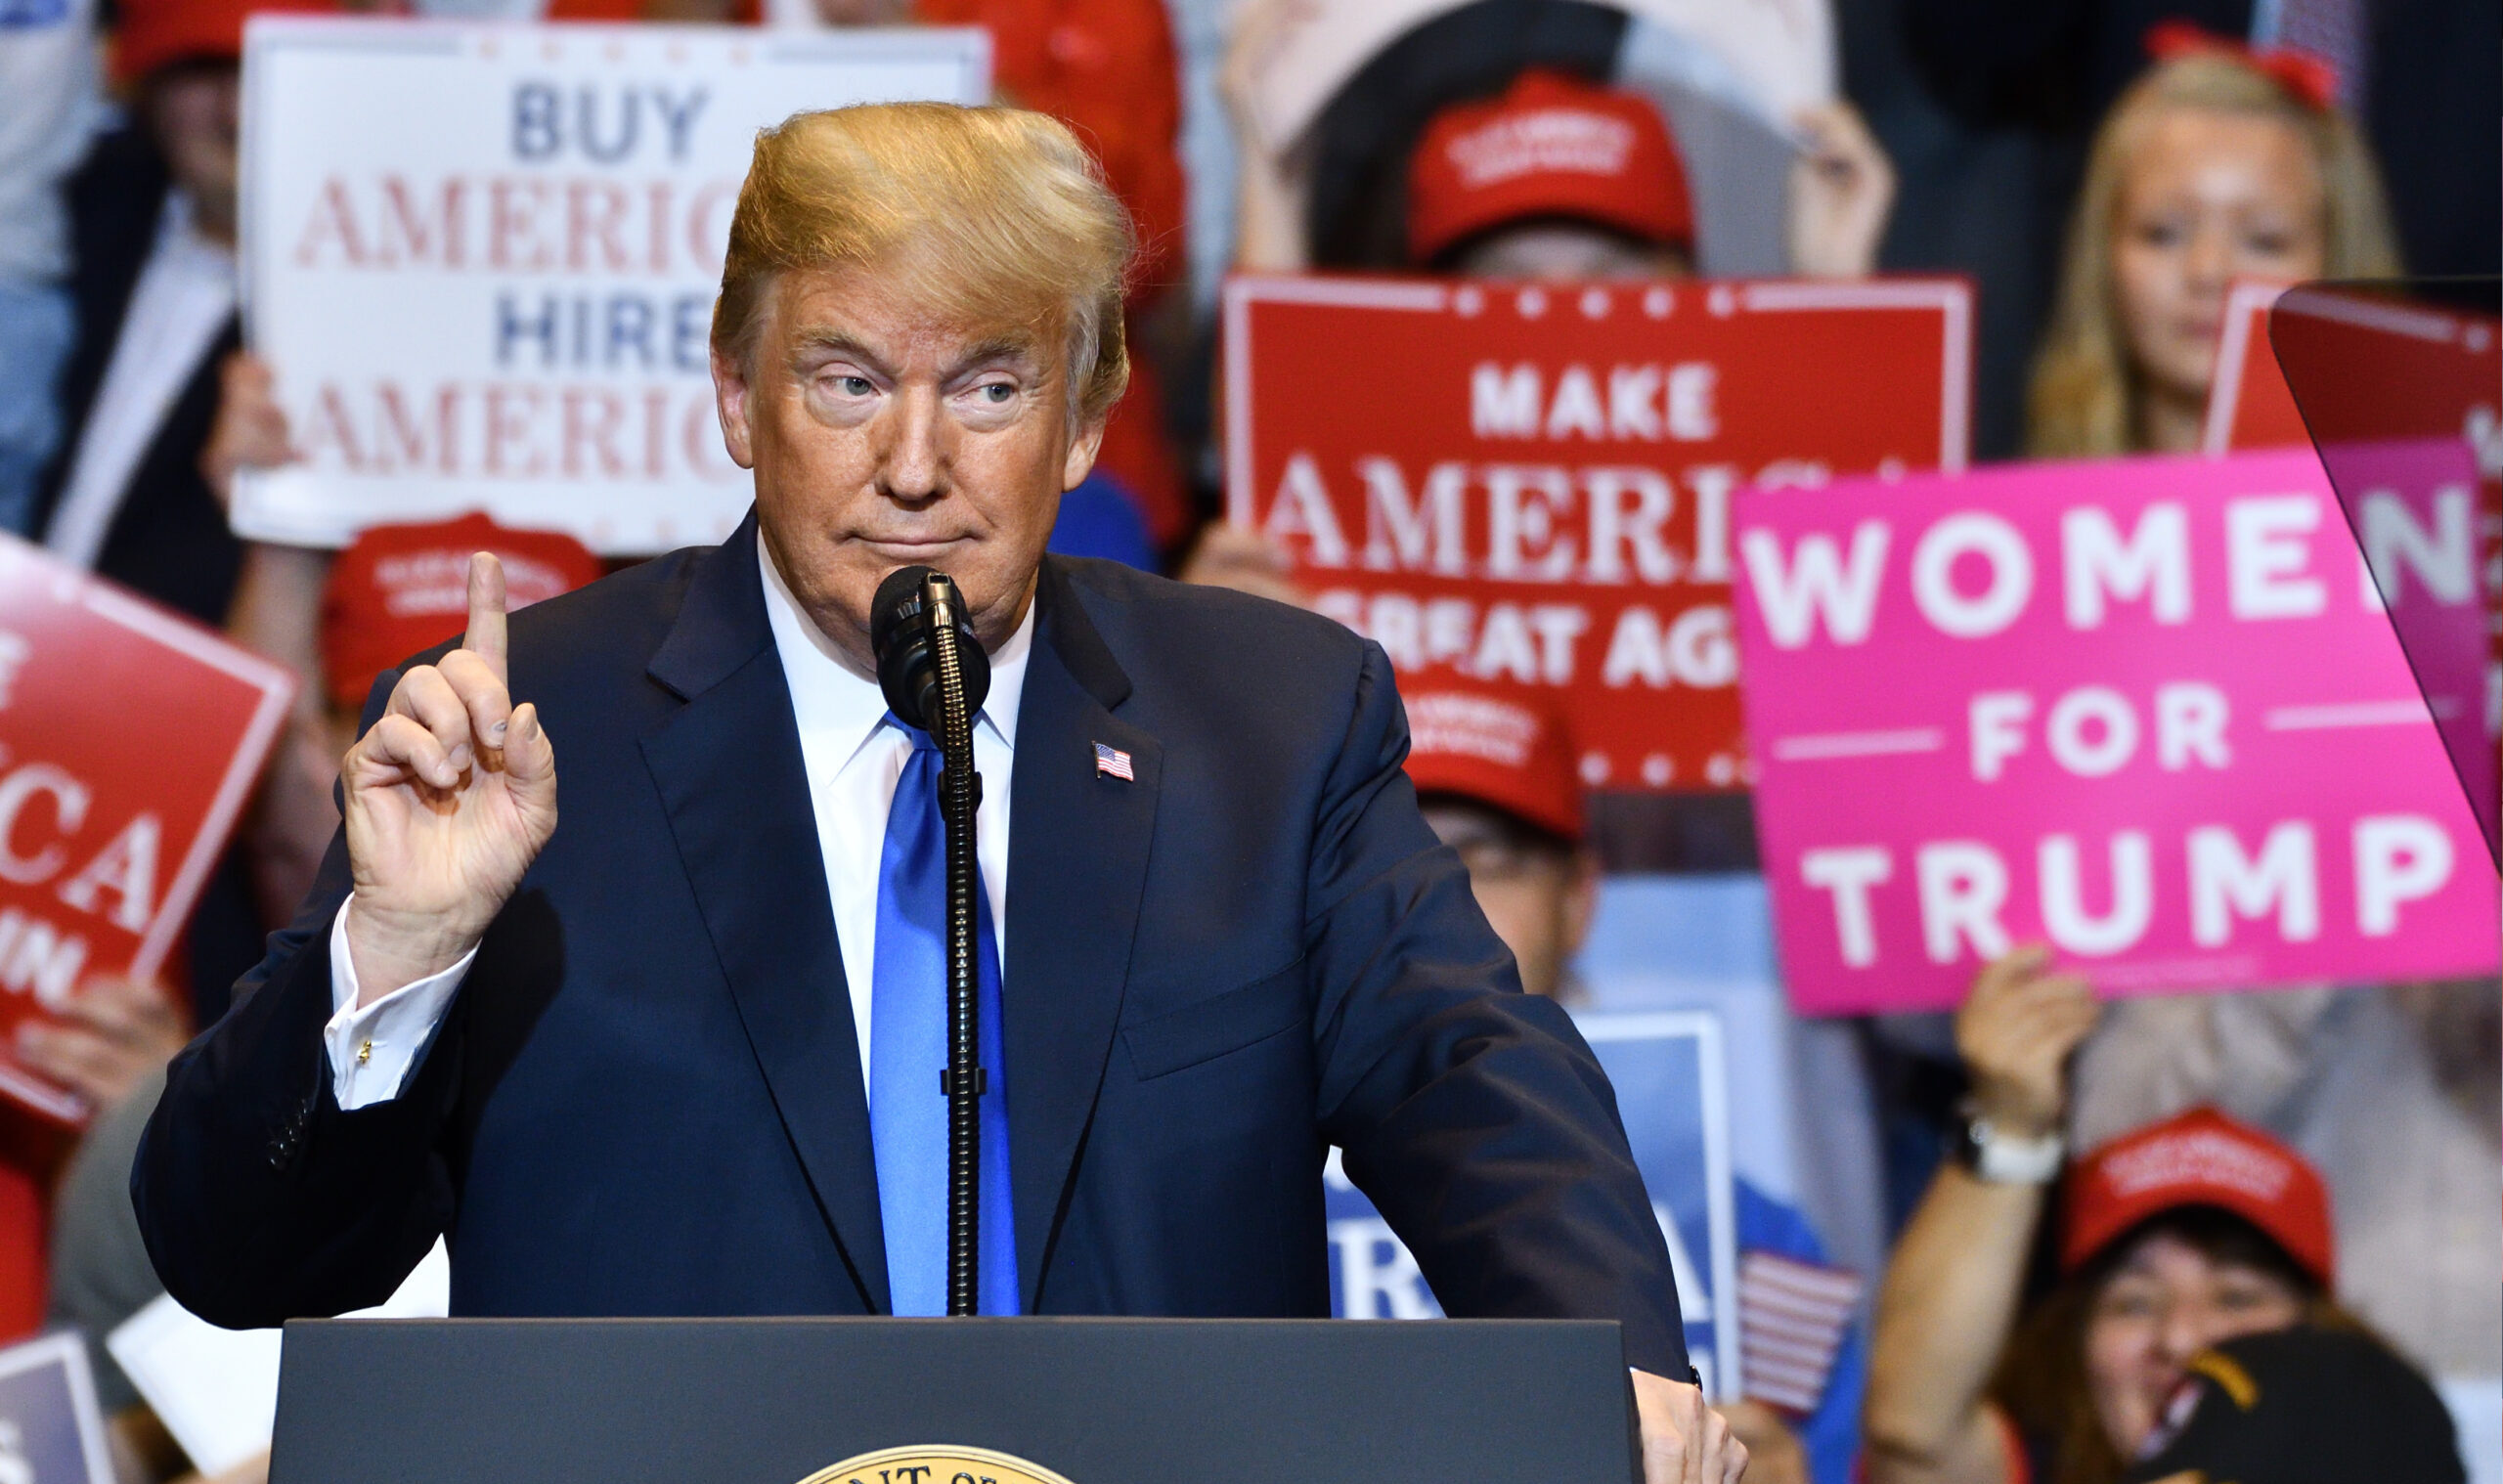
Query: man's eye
column 853, row 386
column 996, row 393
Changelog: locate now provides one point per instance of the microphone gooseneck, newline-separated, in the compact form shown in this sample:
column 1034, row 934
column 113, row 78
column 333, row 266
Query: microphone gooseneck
column 936, row 675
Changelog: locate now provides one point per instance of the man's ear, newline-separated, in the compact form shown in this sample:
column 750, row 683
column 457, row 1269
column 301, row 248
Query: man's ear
column 1080, row 458
column 730, row 399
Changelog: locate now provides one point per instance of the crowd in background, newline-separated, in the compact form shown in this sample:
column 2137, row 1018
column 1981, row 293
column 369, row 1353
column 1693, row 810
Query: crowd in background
column 2059, row 1207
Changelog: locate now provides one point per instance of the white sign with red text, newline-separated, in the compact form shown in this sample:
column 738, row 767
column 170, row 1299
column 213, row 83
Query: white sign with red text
column 2149, row 711
column 482, row 260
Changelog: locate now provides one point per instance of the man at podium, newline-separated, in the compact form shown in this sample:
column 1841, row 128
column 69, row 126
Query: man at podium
column 681, row 1054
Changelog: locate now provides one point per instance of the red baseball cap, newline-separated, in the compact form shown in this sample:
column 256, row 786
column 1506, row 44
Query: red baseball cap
column 1508, row 750
column 1552, row 145
column 398, row 590
column 154, row 34
column 2200, row 1157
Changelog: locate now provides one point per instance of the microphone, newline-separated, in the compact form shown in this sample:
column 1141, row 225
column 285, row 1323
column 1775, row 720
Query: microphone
column 934, row 676
column 911, row 605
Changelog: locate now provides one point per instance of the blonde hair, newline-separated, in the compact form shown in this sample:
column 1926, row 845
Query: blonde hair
column 989, row 215
column 2085, row 386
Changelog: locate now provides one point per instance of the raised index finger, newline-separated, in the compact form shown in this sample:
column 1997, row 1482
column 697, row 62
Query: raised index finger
column 486, row 635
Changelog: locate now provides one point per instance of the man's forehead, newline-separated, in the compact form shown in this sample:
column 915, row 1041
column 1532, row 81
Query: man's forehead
column 855, row 309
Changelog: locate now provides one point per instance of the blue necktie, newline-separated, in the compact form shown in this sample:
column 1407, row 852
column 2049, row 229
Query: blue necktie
column 908, row 1049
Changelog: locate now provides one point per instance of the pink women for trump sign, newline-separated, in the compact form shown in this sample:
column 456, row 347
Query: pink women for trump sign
column 2149, row 711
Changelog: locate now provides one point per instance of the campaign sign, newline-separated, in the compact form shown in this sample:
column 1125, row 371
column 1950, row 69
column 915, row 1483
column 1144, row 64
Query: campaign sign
column 482, row 259
column 129, row 740
column 2149, row 711
column 2249, row 404
column 51, row 1431
column 2413, row 504
column 2374, row 361
column 1530, row 484
column 2373, row 365
column 1671, row 1089
column 216, row 1389
column 2406, row 396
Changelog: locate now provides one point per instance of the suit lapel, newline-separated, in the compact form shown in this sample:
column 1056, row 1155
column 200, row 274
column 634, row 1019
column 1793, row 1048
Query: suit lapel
column 730, row 776
column 1076, row 870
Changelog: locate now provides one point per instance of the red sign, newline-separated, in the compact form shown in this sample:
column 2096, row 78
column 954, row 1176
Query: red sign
column 1531, row 484
column 2373, row 367
column 2249, row 404
column 129, row 740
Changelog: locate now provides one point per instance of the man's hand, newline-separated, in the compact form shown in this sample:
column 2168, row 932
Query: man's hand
column 1683, row 1441
column 449, row 796
column 109, row 1034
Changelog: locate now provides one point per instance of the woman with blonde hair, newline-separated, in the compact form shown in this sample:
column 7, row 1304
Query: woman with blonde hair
column 2219, row 162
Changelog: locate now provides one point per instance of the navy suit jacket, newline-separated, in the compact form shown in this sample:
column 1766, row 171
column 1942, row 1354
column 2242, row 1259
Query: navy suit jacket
column 647, row 1097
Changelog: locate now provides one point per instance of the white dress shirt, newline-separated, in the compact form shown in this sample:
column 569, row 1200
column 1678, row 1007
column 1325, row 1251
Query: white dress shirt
column 854, row 753
column 185, row 295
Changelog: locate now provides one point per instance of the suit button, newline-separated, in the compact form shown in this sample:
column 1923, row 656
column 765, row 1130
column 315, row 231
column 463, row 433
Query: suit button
column 288, row 1144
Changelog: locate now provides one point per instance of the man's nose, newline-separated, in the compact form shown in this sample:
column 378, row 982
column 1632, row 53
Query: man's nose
column 914, row 468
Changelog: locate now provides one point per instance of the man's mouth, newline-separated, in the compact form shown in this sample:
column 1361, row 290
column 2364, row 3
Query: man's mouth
column 910, row 543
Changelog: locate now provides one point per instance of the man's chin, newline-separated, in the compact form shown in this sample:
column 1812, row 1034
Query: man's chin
column 887, row 555
column 859, row 564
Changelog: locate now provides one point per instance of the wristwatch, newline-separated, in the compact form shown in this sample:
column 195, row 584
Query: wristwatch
column 2004, row 1159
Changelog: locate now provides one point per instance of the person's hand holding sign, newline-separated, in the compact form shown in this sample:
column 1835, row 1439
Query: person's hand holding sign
column 449, row 797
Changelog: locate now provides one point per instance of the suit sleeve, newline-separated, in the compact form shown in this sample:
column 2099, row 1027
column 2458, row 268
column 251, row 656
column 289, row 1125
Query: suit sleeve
column 1474, row 1115
column 260, row 1200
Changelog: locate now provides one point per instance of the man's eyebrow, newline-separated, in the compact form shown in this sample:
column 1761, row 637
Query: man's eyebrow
column 837, row 342
column 999, row 348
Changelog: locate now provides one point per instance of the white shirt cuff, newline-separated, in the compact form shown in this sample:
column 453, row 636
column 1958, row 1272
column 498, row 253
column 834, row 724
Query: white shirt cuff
column 373, row 1049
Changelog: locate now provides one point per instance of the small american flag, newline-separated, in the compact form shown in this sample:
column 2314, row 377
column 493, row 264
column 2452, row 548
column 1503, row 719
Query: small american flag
column 1791, row 1319
column 1114, row 760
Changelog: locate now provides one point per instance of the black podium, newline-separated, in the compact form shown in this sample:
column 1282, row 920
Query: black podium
column 1089, row 1401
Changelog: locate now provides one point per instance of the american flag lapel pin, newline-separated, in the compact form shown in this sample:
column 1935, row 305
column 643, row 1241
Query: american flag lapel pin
column 1115, row 763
